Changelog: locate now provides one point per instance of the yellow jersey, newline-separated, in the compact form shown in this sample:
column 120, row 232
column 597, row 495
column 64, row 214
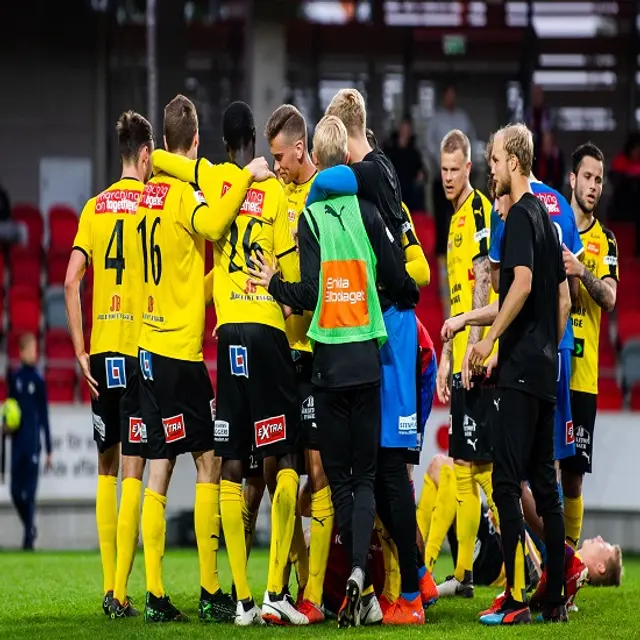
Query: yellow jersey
column 107, row 235
column 175, row 221
column 469, row 233
column 297, row 325
column 601, row 258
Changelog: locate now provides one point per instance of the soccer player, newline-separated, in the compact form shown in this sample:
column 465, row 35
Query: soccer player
column 598, row 275
column 374, row 178
column 176, row 394
column 534, row 306
column 286, row 132
column 469, row 285
column 28, row 389
column 257, row 410
column 336, row 238
column 108, row 237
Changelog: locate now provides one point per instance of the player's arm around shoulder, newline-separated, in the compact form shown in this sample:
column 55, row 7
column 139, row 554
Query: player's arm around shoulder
column 415, row 261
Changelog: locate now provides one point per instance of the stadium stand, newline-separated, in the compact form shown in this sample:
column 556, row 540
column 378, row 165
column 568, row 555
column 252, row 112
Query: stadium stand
column 31, row 302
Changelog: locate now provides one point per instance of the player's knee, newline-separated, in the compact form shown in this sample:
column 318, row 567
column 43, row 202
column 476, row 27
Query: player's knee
column 547, row 501
column 571, row 484
column 270, row 469
column 108, row 461
column 287, row 461
column 205, row 465
column 160, row 472
column 232, row 471
column 132, row 467
column 506, row 494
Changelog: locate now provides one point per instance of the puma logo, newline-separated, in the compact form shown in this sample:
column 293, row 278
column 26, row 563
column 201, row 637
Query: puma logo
column 329, row 210
column 496, row 402
column 587, row 456
column 320, row 521
column 473, row 443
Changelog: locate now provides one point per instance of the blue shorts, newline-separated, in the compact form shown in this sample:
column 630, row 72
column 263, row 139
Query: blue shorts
column 564, row 441
column 399, row 356
column 426, row 390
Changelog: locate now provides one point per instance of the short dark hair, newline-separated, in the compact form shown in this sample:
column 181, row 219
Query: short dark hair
column 180, row 123
column 134, row 132
column 288, row 120
column 586, row 150
column 238, row 126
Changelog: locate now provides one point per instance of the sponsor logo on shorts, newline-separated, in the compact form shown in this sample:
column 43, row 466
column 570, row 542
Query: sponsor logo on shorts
column 116, row 375
column 569, row 434
column 221, row 431
column 118, row 201
column 253, row 203
column 137, row 431
column 271, row 430
column 239, row 360
column 154, row 195
column 469, row 426
column 98, row 426
column 174, row 428
column 408, row 425
column 594, row 248
column 308, row 408
column 145, row 365
column 550, row 201
column 212, row 406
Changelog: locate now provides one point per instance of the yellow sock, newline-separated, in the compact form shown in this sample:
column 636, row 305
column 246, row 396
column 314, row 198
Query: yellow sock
column 391, row 588
column 322, row 518
column 299, row 554
column 573, row 514
column 249, row 519
column 426, row 505
column 519, row 580
column 154, row 529
column 127, row 538
column 206, row 518
column 444, row 513
column 283, row 515
column 107, row 523
column 467, row 519
column 482, row 474
column 231, row 511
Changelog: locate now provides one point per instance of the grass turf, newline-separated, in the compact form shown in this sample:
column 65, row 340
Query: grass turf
column 58, row 595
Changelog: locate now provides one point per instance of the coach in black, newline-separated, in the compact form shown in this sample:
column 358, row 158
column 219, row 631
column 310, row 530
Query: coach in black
column 534, row 306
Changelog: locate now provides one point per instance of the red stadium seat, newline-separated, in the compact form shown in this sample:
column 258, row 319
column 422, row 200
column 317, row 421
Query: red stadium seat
column 63, row 224
column 26, row 271
column 607, row 356
column 635, row 398
column 625, row 233
column 628, row 297
column 61, row 384
column 208, row 256
column 59, row 348
column 31, row 218
column 2, row 270
column 3, row 389
column 24, row 309
column 425, row 230
column 609, row 395
column 57, row 262
column 628, row 325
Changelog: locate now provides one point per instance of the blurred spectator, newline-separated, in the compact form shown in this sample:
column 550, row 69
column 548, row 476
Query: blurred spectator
column 407, row 160
column 5, row 204
column 548, row 165
column 625, row 176
column 444, row 120
column 538, row 117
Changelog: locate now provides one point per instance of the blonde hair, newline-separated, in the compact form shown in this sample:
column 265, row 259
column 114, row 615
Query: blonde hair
column 612, row 576
column 455, row 140
column 348, row 105
column 330, row 142
column 518, row 142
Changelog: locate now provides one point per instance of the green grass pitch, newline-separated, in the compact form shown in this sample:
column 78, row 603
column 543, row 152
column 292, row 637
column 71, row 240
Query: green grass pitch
column 54, row 595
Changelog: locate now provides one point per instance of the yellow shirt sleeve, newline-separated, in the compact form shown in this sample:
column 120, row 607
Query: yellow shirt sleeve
column 415, row 261
column 608, row 263
column 283, row 244
column 82, row 240
column 480, row 229
column 211, row 217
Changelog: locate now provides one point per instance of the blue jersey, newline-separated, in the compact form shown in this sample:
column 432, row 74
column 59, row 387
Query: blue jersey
column 28, row 388
column 563, row 220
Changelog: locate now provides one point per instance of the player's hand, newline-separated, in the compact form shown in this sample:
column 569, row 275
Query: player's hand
column 48, row 463
column 262, row 271
column 466, row 373
column 492, row 365
column 85, row 367
column 476, row 358
column 451, row 327
column 442, row 381
column 260, row 170
column 286, row 311
column 572, row 265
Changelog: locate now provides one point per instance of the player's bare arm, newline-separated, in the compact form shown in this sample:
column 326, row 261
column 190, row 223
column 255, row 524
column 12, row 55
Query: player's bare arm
column 444, row 371
column 564, row 308
column 483, row 317
column 482, row 275
column 75, row 272
column 603, row 291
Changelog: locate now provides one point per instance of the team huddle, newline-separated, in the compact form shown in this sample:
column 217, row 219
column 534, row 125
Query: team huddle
column 324, row 370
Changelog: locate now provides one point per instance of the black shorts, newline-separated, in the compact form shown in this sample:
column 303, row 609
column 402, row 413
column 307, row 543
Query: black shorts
column 252, row 468
column 583, row 411
column 303, row 361
column 178, row 406
column 116, row 412
column 470, row 423
column 258, row 406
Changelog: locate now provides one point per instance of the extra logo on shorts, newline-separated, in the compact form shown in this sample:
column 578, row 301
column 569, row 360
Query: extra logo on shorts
column 221, row 431
column 174, row 428
column 116, row 375
column 239, row 360
column 270, row 430
column 145, row 365
column 570, row 437
column 137, row 431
